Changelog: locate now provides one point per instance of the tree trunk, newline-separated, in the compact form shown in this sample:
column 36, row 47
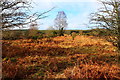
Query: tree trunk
column 61, row 32
column 118, row 23
column 118, row 34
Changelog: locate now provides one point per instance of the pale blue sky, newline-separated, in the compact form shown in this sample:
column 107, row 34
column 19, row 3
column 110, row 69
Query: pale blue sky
column 77, row 12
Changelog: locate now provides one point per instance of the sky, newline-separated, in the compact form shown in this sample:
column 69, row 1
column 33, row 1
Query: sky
column 77, row 12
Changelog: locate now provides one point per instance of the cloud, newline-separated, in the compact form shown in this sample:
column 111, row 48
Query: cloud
column 77, row 12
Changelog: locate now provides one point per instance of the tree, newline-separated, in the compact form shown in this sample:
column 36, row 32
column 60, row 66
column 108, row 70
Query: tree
column 108, row 17
column 16, row 13
column 61, row 22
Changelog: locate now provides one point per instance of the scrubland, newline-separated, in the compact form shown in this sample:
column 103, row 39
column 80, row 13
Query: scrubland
column 85, row 57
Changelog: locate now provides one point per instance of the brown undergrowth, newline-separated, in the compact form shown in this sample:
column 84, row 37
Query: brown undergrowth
column 85, row 57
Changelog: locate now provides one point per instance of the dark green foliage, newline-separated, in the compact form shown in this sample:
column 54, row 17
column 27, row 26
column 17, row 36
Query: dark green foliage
column 54, row 33
column 74, row 31
column 40, row 32
column 34, row 37
column 87, row 31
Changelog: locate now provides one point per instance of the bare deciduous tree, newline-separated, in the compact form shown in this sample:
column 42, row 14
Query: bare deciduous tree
column 108, row 17
column 16, row 13
column 61, row 22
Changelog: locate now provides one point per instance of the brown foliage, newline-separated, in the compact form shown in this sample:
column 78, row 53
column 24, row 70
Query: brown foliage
column 93, row 71
column 60, row 57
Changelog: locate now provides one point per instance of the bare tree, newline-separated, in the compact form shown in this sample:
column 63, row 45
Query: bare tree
column 108, row 17
column 16, row 13
column 61, row 22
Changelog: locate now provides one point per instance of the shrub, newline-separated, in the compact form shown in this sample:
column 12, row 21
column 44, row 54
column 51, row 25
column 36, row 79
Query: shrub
column 9, row 35
column 40, row 36
column 34, row 37
column 73, row 35
column 13, row 35
column 74, row 31
column 54, row 33
column 51, row 33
